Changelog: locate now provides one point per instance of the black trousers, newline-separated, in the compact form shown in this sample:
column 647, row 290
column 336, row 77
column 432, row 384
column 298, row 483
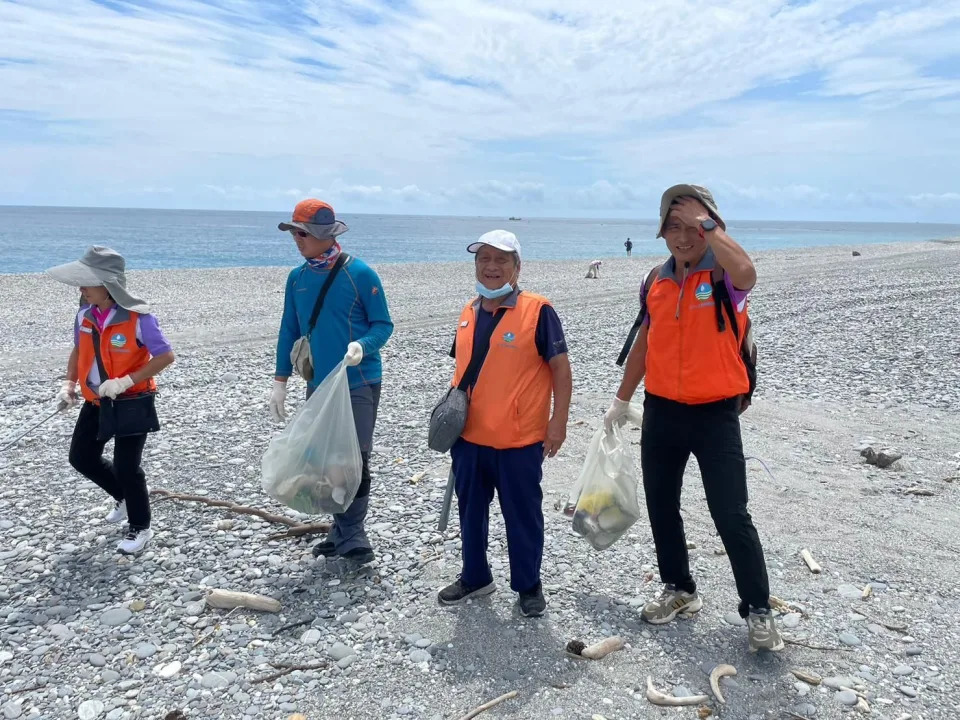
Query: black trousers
column 673, row 431
column 123, row 478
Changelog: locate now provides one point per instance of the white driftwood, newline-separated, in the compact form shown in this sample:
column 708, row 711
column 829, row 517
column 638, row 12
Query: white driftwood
column 658, row 698
column 487, row 705
column 811, row 563
column 720, row 671
column 231, row 599
column 603, row 648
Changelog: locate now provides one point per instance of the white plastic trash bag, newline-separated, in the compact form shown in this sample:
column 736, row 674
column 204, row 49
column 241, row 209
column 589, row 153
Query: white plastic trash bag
column 314, row 465
column 606, row 491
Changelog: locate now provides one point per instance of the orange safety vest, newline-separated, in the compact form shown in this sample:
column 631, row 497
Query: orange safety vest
column 510, row 402
column 688, row 359
column 122, row 353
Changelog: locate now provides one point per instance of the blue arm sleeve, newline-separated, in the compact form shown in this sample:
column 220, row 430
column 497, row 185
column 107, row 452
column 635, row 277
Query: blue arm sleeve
column 378, row 314
column 549, row 338
column 289, row 330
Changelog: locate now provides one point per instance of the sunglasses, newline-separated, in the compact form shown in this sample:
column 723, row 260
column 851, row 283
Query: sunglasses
column 300, row 233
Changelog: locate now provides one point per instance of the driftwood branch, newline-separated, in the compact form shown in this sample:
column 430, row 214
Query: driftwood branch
column 296, row 528
column 291, row 626
column 825, row 648
column 486, row 706
column 231, row 599
column 811, row 563
column 286, row 668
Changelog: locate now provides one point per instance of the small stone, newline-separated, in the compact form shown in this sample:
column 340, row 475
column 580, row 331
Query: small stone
column 311, row 637
column 217, row 680
column 145, row 651
column 837, row 682
column 339, row 651
column 682, row 692
column 346, row 662
column 97, row 660
column 110, row 676
column 90, row 710
column 170, row 669
column 225, row 525
column 849, row 592
column 138, row 605
column 732, row 618
column 913, row 651
column 903, row 670
column 847, row 697
column 910, row 692
column 116, row 617
column 791, row 621
column 849, row 639
column 420, row 656
column 806, row 710
column 229, row 377
column 12, row 710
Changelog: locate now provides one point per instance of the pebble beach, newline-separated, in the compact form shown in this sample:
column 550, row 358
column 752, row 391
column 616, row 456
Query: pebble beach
column 854, row 351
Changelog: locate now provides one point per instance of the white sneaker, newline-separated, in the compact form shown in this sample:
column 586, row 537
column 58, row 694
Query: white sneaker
column 135, row 541
column 119, row 512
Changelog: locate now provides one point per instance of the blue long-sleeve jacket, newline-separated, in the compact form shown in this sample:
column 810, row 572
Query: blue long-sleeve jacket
column 355, row 309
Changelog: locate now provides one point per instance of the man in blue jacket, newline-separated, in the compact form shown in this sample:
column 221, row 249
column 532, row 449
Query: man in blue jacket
column 353, row 324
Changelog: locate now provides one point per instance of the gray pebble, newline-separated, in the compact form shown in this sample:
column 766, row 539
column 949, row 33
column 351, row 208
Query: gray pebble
column 837, row 681
column 110, row 676
column 847, row 697
column 791, row 621
column 732, row 618
column 910, row 692
column 346, row 662
column 419, row 656
column 849, row 639
column 145, row 651
column 116, row 617
column 97, row 660
column 903, row 670
column 681, row 691
column 339, row 651
column 12, row 710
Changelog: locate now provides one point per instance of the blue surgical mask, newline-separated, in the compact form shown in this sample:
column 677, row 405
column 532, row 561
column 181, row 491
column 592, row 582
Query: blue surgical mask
column 500, row 292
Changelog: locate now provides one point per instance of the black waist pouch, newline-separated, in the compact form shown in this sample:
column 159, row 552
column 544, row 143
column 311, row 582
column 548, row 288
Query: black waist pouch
column 128, row 415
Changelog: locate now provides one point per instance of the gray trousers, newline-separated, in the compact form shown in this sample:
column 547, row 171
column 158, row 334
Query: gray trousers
column 348, row 532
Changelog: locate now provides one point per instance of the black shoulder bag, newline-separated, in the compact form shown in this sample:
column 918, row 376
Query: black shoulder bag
column 128, row 415
column 449, row 416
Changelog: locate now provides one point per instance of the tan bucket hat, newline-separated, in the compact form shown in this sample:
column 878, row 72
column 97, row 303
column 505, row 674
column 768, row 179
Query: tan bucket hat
column 695, row 191
column 101, row 266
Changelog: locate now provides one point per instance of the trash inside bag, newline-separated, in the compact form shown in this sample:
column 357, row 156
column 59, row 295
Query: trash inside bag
column 604, row 501
column 314, row 465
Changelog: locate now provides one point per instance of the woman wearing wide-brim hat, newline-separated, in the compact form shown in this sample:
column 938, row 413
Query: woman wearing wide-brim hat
column 118, row 348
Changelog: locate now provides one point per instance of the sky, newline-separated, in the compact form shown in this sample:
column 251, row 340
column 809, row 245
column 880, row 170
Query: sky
column 803, row 110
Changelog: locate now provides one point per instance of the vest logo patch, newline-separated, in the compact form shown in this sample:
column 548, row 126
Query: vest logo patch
column 704, row 292
column 509, row 337
column 118, row 340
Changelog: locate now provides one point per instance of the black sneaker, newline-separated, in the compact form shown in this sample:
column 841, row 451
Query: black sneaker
column 457, row 592
column 360, row 555
column 532, row 603
column 325, row 549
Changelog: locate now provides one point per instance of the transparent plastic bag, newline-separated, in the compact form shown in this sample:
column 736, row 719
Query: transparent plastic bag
column 605, row 494
column 314, row 465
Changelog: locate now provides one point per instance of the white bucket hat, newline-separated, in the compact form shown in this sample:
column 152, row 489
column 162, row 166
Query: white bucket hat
column 100, row 267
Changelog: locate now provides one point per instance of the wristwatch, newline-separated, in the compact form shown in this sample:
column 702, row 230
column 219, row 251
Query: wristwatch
column 708, row 225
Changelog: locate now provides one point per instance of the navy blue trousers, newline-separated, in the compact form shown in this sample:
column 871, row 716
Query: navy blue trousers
column 515, row 475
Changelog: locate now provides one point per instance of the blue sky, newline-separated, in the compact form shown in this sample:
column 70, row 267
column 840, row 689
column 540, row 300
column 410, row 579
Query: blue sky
column 803, row 109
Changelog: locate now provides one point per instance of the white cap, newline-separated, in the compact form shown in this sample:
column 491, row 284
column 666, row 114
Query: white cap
column 499, row 239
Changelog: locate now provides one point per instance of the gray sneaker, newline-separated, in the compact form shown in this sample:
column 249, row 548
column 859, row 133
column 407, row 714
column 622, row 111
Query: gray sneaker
column 672, row 602
column 762, row 631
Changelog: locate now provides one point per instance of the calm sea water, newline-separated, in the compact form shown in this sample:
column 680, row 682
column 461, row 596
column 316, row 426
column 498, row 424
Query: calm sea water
column 32, row 238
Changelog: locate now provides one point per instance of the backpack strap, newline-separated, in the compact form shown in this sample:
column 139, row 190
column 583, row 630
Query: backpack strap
column 722, row 300
column 641, row 316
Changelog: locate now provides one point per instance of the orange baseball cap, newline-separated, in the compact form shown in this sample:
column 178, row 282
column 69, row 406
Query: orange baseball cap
column 315, row 217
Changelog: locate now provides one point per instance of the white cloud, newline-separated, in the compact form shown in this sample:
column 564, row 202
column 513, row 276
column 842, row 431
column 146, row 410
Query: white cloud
column 455, row 104
column 948, row 199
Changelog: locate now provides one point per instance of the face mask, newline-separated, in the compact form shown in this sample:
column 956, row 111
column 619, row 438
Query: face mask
column 489, row 294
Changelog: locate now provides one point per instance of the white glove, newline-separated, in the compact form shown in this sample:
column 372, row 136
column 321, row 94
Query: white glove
column 354, row 354
column 278, row 399
column 616, row 414
column 116, row 386
column 67, row 397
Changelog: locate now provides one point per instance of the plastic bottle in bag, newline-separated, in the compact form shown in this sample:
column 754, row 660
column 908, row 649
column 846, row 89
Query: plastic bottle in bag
column 314, row 464
column 606, row 491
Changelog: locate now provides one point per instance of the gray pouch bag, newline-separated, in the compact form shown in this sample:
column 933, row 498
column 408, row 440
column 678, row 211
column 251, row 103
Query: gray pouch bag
column 449, row 416
column 448, row 419
column 301, row 356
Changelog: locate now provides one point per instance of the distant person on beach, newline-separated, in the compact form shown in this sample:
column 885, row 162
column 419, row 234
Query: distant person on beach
column 629, row 246
column 509, row 428
column 118, row 349
column 352, row 325
column 688, row 355
column 593, row 272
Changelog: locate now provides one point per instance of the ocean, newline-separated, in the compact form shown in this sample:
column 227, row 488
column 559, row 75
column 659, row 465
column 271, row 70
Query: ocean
column 35, row 238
